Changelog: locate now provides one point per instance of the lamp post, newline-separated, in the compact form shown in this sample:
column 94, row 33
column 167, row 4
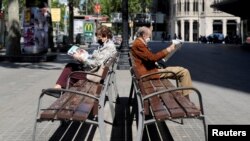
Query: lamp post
column 123, row 63
column 71, row 22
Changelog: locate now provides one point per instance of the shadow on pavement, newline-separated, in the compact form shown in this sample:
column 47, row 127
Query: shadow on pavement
column 61, row 59
column 83, row 131
column 216, row 64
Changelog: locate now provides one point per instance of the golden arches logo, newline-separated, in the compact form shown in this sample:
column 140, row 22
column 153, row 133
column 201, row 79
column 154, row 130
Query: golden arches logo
column 88, row 27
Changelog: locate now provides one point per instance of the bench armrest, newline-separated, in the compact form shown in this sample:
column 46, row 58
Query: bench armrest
column 84, row 72
column 55, row 90
column 159, row 72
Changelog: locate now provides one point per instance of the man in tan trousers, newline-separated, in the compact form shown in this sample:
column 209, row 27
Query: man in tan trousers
column 145, row 60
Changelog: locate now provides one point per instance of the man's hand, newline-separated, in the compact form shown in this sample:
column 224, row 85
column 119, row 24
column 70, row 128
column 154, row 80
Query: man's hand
column 170, row 48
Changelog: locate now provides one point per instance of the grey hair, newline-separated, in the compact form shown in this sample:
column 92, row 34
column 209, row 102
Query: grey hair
column 142, row 30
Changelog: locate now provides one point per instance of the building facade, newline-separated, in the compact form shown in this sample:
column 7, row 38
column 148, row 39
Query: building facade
column 190, row 19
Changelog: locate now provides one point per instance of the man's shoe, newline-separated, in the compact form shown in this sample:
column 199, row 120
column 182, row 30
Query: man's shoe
column 55, row 94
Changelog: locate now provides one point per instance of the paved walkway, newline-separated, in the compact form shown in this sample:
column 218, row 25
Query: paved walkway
column 225, row 101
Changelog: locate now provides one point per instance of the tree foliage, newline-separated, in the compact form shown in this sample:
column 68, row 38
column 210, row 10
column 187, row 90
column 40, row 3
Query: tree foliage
column 134, row 6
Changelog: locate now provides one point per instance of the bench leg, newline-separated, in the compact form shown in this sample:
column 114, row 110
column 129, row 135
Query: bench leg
column 131, row 102
column 34, row 132
column 114, row 84
column 101, row 125
column 37, row 112
column 111, row 104
column 205, row 128
column 131, row 94
column 141, row 119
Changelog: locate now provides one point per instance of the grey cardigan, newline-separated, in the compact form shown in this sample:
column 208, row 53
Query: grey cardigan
column 101, row 54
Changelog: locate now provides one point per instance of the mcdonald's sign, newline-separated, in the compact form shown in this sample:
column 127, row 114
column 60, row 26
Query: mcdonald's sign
column 88, row 27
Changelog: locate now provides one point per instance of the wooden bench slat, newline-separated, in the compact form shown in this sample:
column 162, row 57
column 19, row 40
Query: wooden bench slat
column 172, row 106
column 96, row 91
column 50, row 113
column 82, row 112
column 68, row 109
column 160, row 112
column 188, row 106
column 167, row 83
column 157, row 83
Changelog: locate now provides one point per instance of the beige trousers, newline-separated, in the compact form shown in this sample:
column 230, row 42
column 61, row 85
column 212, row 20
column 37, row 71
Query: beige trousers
column 182, row 74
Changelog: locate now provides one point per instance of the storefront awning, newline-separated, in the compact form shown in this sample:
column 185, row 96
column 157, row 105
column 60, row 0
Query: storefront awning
column 234, row 7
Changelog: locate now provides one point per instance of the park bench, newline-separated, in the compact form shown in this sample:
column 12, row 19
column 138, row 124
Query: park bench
column 83, row 101
column 156, row 100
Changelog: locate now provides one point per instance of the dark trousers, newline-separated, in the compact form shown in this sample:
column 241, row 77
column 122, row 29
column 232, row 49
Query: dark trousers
column 68, row 69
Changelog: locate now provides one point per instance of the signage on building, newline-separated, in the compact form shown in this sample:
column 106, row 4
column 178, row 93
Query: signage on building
column 88, row 27
column 98, row 18
column 56, row 14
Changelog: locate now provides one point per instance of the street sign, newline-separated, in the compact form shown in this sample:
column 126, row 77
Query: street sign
column 56, row 14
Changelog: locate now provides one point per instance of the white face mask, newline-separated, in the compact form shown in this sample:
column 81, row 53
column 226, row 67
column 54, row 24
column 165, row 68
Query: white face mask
column 147, row 40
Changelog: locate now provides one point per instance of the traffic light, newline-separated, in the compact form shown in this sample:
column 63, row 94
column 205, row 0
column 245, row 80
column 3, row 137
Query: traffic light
column 97, row 8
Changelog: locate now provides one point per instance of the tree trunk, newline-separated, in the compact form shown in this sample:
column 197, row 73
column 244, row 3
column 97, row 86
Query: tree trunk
column 13, row 28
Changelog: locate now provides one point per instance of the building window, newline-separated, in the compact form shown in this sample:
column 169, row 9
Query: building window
column 203, row 5
column 186, row 6
column 195, row 5
column 178, row 5
column 215, row 2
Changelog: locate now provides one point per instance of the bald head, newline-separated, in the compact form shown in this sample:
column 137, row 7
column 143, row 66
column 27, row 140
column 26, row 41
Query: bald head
column 144, row 31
